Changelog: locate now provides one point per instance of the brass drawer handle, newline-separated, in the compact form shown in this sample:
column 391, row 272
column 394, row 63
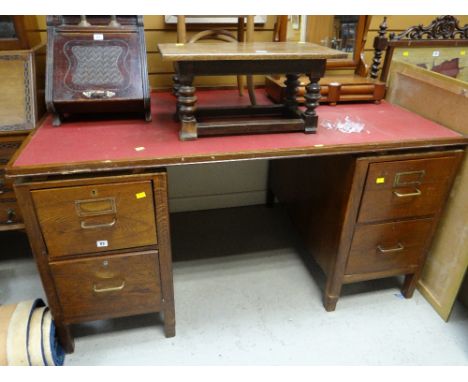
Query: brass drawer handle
column 95, row 207
column 398, row 248
column 101, row 225
column 98, row 94
column 401, row 182
column 110, row 289
column 404, row 195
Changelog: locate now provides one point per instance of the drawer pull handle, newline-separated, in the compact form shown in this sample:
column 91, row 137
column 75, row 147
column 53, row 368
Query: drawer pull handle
column 409, row 178
column 98, row 94
column 101, row 225
column 95, row 207
column 404, row 195
column 398, row 248
column 110, row 289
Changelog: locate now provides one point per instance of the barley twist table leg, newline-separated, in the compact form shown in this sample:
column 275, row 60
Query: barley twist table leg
column 186, row 101
column 312, row 98
column 292, row 85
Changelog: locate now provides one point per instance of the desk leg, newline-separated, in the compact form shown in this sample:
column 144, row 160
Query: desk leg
column 65, row 337
column 409, row 285
column 186, row 100
column 332, row 293
column 165, row 252
column 312, row 98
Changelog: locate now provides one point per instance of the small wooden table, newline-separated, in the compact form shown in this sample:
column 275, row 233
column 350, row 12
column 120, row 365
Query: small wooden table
column 214, row 59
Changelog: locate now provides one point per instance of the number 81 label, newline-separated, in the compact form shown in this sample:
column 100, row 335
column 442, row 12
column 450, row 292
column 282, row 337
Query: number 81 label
column 102, row 243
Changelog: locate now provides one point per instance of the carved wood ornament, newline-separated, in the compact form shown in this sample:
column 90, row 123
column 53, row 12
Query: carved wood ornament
column 443, row 27
column 443, row 31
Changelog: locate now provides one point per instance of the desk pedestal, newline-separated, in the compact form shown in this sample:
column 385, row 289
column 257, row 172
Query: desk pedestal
column 366, row 218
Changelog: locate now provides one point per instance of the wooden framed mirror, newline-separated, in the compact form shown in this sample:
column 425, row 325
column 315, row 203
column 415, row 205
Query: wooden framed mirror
column 342, row 32
column 440, row 47
column 13, row 33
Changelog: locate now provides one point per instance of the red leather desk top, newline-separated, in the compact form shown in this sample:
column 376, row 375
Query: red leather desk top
column 81, row 146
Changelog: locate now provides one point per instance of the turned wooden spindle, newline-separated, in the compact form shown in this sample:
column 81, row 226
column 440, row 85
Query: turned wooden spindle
column 380, row 44
column 292, row 85
column 312, row 97
column 186, row 108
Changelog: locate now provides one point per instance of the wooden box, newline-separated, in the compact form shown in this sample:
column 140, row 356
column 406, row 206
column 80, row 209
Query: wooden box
column 21, row 99
column 96, row 64
column 333, row 89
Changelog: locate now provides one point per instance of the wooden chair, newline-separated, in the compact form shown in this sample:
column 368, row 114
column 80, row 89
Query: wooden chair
column 245, row 32
column 444, row 31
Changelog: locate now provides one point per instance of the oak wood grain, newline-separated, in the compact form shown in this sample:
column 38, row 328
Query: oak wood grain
column 74, row 219
column 247, row 51
column 101, row 287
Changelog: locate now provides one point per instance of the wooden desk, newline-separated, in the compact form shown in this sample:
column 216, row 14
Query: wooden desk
column 213, row 59
column 331, row 172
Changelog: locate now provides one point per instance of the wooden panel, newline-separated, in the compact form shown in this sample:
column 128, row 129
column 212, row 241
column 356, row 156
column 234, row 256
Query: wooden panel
column 381, row 247
column 75, row 220
column 408, row 86
column 157, row 31
column 317, row 212
column 403, row 189
column 153, row 38
column 156, row 65
column 108, row 286
column 164, row 81
column 158, row 22
column 13, row 106
column 319, row 27
column 440, row 99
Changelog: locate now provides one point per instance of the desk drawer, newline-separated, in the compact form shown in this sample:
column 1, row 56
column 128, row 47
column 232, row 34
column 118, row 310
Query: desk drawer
column 9, row 211
column 407, row 188
column 108, row 286
column 387, row 246
column 103, row 217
